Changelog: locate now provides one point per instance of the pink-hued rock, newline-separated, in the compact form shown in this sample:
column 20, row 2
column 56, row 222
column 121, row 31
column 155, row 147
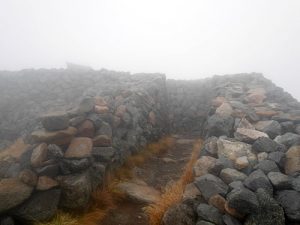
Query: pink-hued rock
column 79, row 148
column 45, row 183
column 292, row 163
column 248, row 135
column 120, row 111
column 203, row 164
column 218, row 101
column 256, row 96
column 99, row 101
column 101, row 141
column 224, row 110
column 39, row 155
column 60, row 137
column 101, row 109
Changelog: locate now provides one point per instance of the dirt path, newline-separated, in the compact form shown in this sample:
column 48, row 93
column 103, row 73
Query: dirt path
column 156, row 172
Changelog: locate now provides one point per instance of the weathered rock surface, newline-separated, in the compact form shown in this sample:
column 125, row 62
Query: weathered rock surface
column 292, row 163
column 258, row 179
column 55, row 121
column 179, row 214
column 270, row 127
column 290, row 201
column 60, row 137
column 79, row 148
column 209, row 213
column 248, row 135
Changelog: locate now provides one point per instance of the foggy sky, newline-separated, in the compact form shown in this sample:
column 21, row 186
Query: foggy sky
column 186, row 39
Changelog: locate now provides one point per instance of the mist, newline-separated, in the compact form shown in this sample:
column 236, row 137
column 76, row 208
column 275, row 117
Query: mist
column 183, row 39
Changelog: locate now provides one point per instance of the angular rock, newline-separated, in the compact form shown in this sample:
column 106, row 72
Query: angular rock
column 243, row 200
column 179, row 214
column 12, row 193
column 229, row 175
column 279, row 180
column 45, row 183
column 265, row 144
column 86, row 129
column 190, row 192
column 287, row 126
column 105, row 154
column 209, row 213
column 292, row 163
column 278, row 158
column 269, row 211
column 258, row 179
column 288, row 139
column 210, row 185
column 270, row 127
column 267, row 166
column 243, row 123
column 101, row 109
column 203, row 165
column 102, row 141
column 28, row 177
column 236, row 185
column 76, row 190
column 100, row 101
column 248, row 135
column 290, row 201
column 9, row 169
column 79, row 148
column 262, row 156
column 256, row 96
column 55, row 121
column 218, row 202
column 224, row 110
column 211, row 146
column 232, row 150
column 229, row 220
column 105, row 129
column 55, row 152
column 51, row 170
column 140, row 192
column 39, row 155
column 68, row 166
column 241, row 163
column 218, row 125
column 42, row 206
column 60, row 137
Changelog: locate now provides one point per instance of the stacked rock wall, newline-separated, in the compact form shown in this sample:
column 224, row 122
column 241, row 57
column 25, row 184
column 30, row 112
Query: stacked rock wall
column 248, row 171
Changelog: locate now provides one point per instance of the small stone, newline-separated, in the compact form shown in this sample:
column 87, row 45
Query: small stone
column 236, row 185
column 102, row 141
column 288, row 139
column 258, row 179
column 79, row 148
column 60, row 137
column 39, row 155
column 218, row 202
column 55, row 121
column 229, row 220
column 292, row 163
column 248, row 135
column 241, row 163
column 100, row 101
column 209, row 213
column 86, row 105
column 45, row 183
column 224, row 110
column 211, row 146
column 203, row 164
column 86, row 129
column 101, row 109
column 278, row 158
column 190, row 192
column 233, row 212
column 262, row 156
column 219, row 125
column 270, row 127
column 265, row 144
column 55, row 152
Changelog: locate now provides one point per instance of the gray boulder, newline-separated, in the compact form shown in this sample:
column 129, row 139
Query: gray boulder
column 270, row 127
column 278, row 158
column 269, row 211
column 68, row 166
column 288, row 139
column 55, row 152
column 287, row 126
column 258, row 179
column 290, row 201
column 267, row 166
column 265, row 144
column 243, row 200
column 229, row 175
column 210, row 185
column 210, row 214
column 279, row 180
column 229, row 220
column 55, row 121
column 41, row 206
column 219, row 125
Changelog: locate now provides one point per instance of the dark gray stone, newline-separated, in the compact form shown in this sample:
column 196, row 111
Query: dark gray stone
column 243, row 200
column 267, row 166
column 41, row 206
column 279, row 180
column 296, row 183
column 179, row 214
column 269, row 211
column 258, row 179
column 68, row 166
column 54, row 152
column 218, row 125
column 210, row 185
column 290, row 201
column 288, row 139
column 229, row 175
column 236, row 185
column 9, row 169
column 105, row 154
column 278, row 158
column 55, row 121
column 265, row 144
column 210, row 214
column 272, row 128
column 287, row 126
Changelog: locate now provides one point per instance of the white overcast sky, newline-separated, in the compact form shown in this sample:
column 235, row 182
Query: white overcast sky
column 186, row 39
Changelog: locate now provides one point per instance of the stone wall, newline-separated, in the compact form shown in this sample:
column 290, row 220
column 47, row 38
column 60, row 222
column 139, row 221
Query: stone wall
column 248, row 171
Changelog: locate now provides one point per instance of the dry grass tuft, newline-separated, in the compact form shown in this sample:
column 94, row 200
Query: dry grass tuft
column 15, row 150
column 61, row 218
column 173, row 193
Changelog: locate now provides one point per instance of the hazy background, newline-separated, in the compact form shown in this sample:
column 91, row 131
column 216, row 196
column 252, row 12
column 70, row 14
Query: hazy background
column 184, row 39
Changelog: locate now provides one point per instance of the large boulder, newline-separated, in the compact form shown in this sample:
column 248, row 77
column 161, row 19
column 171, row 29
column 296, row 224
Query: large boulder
column 210, row 185
column 258, row 179
column 265, row 144
column 290, row 201
column 12, row 193
column 229, row 175
column 210, row 214
column 76, row 190
column 179, row 214
column 41, row 206
column 248, row 135
column 55, row 121
column 243, row 200
column 219, row 125
column 79, row 148
column 269, row 211
column 292, row 163
column 288, row 139
column 270, row 127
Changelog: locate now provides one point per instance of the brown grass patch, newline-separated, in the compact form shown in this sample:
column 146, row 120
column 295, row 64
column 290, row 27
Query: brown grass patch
column 15, row 150
column 173, row 193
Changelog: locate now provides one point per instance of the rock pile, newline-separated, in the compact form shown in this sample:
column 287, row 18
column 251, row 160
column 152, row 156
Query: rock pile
column 249, row 168
column 72, row 151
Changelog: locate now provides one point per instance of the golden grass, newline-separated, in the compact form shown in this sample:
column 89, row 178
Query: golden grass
column 61, row 218
column 15, row 150
column 173, row 193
